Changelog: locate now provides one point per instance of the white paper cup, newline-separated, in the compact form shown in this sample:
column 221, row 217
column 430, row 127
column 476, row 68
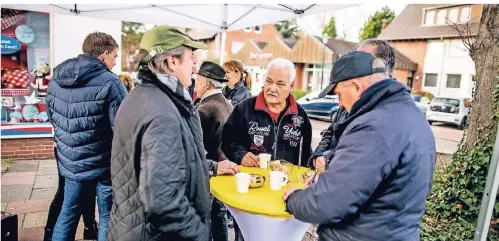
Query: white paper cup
column 277, row 180
column 264, row 160
column 242, row 182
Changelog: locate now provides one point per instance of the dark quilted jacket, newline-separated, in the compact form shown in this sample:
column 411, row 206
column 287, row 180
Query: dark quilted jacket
column 329, row 140
column 82, row 100
column 159, row 176
column 238, row 94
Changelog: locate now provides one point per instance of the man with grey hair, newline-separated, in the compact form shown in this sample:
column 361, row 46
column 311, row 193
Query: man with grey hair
column 384, row 52
column 271, row 122
column 376, row 183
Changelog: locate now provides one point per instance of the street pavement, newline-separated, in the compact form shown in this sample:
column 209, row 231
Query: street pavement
column 447, row 137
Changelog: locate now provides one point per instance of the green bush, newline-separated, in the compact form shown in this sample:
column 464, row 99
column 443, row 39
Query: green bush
column 299, row 93
column 454, row 203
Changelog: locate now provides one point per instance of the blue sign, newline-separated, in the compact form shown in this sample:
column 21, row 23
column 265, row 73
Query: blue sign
column 10, row 45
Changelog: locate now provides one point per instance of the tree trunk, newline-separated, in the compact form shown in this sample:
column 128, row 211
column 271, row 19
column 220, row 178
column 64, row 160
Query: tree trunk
column 483, row 121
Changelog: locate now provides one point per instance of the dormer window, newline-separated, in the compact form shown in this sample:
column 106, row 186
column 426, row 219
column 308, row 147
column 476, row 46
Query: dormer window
column 465, row 14
column 449, row 15
column 441, row 16
column 429, row 18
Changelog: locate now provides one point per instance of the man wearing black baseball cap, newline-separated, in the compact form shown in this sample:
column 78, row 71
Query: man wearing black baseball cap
column 377, row 182
column 380, row 49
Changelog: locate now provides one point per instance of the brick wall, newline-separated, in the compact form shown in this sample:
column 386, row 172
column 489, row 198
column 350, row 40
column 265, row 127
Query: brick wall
column 34, row 148
column 269, row 33
column 416, row 52
column 401, row 75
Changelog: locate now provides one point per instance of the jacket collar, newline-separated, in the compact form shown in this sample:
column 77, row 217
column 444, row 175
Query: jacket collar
column 210, row 93
column 183, row 103
column 369, row 100
column 261, row 105
column 228, row 91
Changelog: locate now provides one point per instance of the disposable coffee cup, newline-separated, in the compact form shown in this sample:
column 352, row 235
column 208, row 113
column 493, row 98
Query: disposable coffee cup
column 264, row 160
column 242, row 182
column 277, row 180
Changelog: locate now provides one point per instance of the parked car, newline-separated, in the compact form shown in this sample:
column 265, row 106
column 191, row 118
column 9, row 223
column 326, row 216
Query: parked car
column 320, row 108
column 421, row 102
column 449, row 110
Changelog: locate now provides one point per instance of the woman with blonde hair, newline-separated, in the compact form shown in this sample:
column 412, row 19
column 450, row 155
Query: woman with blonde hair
column 239, row 85
column 127, row 81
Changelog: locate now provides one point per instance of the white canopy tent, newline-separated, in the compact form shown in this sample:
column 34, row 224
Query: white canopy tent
column 220, row 17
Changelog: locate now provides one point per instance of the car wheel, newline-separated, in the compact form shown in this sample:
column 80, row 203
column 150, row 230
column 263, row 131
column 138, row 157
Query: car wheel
column 430, row 122
column 463, row 124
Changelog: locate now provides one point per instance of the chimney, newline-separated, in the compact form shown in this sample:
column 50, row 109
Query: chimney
column 384, row 23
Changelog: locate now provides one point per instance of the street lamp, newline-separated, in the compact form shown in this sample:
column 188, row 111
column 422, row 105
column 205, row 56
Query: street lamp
column 324, row 41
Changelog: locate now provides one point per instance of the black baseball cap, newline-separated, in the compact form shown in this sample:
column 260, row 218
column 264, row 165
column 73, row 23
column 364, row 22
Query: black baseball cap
column 352, row 65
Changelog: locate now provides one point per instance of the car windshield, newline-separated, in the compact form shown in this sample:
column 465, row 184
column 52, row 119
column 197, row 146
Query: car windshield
column 446, row 102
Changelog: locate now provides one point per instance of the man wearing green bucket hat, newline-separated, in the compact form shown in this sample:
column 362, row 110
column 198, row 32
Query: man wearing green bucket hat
column 160, row 181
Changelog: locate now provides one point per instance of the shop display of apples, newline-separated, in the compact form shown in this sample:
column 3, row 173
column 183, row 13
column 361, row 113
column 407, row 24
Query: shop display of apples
column 15, row 78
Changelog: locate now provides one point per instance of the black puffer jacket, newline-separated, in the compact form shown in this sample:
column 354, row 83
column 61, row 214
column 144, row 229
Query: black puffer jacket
column 329, row 140
column 238, row 94
column 159, row 175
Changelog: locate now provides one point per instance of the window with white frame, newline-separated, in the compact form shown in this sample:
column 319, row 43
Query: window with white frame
column 465, row 14
column 257, row 29
column 442, row 16
column 429, row 18
column 453, row 81
column 453, row 15
column 430, row 80
column 314, row 73
column 236, row 46
column 248, row 29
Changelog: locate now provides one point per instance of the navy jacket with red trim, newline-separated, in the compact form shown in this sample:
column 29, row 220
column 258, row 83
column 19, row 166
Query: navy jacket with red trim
column 251, row 128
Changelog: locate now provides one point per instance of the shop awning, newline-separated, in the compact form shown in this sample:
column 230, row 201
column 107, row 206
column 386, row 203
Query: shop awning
column 220, row 17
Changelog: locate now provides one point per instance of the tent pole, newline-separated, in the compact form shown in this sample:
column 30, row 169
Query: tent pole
column 224, row 34
column 489, row 195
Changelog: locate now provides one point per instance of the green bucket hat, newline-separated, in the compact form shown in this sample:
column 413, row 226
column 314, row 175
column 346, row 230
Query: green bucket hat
column 165, row 38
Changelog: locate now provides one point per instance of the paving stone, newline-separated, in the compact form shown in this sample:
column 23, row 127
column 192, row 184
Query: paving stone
column 38, row 219
column 31, row 234
column 28, row 162
column 16, row 193
column 22, row 168
column 31, row 206
column 46, row 181
column 18, row 179
column 48, row 163
column 43, row 193
column 44, row 171
column 18, row 174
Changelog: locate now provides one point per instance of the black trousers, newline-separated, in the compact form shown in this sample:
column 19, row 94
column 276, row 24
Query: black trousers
column 56, row 206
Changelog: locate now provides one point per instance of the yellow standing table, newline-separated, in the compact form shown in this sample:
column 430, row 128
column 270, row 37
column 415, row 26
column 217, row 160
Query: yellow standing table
column 261, row 212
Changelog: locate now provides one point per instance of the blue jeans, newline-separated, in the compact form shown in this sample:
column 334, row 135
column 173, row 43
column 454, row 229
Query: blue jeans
column 67, row 223
column 219, row 229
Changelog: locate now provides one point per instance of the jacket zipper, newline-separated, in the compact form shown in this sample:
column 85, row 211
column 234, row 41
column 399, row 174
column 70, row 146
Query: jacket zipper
column 275, row 133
